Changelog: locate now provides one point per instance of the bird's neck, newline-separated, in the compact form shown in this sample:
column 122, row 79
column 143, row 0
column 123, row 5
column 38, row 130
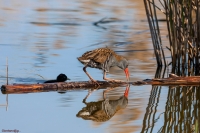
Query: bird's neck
column 116, row 59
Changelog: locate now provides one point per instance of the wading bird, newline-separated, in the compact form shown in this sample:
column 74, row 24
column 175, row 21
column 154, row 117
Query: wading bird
column 103, row 58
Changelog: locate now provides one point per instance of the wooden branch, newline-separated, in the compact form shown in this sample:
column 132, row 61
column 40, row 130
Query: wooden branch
column 64, row 86
column 171, row 80
column 59, row 86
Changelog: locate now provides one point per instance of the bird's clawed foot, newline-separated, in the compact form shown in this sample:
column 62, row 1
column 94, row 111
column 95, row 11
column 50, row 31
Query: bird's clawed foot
column 94, row 81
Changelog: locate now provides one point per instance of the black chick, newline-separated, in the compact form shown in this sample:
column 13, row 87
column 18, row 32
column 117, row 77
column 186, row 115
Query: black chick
column 60, row 78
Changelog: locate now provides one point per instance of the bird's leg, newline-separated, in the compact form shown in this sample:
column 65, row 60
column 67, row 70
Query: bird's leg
column 112, row 80
column 104, row 92
column 84, row 69
column 89, row 93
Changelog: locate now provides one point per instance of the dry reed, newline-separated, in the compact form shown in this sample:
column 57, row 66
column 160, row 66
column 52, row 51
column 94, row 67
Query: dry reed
column 183, row 25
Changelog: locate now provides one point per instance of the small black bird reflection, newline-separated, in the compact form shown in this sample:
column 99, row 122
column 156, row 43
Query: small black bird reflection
column 60, row 78
column 103, row 110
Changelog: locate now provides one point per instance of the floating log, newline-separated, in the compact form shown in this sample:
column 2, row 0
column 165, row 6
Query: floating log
column 171, row 80
column 59, row 86
column 64, row 86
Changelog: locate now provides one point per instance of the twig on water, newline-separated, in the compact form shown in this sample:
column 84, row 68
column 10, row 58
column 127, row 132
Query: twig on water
column 7, row 70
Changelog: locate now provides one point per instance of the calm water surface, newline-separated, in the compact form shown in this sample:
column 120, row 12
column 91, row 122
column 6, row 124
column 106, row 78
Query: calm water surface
column 42, row 39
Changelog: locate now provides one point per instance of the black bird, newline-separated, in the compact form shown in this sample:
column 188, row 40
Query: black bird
column 103, row 58
column 60, row 78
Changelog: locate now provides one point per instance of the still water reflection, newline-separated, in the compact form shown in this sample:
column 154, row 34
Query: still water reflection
column 181, row 113
column 103, row 110
column 42, row 39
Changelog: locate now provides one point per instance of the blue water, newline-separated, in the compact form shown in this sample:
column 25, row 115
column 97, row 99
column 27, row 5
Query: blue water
column 42, row 39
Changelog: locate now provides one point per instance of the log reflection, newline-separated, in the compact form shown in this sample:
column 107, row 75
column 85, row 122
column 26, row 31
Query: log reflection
column 101, row 111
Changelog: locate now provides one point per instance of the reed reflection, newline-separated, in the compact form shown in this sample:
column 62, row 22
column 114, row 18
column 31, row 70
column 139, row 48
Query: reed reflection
column 182, row 111
column 103, row 110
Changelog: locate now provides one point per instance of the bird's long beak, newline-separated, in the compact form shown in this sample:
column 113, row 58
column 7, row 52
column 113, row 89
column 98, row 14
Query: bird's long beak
column 127, row 91
column 127, row 74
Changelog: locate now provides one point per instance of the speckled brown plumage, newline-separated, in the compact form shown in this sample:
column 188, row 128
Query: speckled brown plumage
column 103, row 58
column 99, row 55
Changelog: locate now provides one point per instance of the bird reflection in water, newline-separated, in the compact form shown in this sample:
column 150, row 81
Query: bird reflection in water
column 103, row 110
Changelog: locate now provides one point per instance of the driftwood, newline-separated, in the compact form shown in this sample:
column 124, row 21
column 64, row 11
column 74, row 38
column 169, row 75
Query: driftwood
column 171, row 80
column 64, row 86
column 59, row 86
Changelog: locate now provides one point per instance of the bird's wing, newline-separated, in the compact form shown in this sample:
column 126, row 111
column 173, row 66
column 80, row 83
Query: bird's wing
column 98, row 55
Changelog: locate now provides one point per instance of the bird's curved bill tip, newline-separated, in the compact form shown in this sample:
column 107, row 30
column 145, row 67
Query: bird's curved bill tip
column 68, row 79
column 127, row 74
